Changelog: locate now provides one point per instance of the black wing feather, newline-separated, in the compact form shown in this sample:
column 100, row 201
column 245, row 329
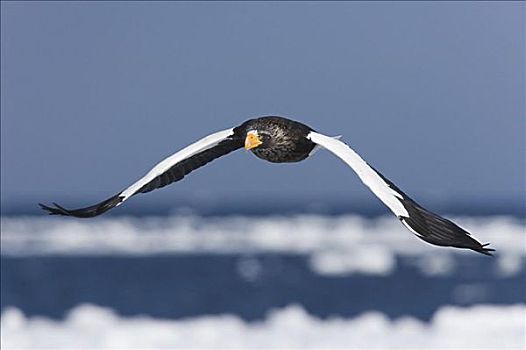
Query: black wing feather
column 435, row 229
column 87, row 212
column 174, row 174
column 185, row 167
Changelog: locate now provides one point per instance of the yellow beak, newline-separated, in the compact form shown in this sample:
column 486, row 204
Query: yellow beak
column 252, row 141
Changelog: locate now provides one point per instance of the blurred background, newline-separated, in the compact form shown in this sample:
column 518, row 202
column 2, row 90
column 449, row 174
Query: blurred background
column 244, row 252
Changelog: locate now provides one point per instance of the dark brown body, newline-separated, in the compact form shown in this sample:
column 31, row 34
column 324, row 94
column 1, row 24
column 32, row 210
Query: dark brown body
column 284, row 140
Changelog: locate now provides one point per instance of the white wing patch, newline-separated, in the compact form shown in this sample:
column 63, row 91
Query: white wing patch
column 367, row 174
column 318, row 147
column 187, row 152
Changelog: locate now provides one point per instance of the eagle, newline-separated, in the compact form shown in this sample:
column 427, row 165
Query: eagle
column 281, row 140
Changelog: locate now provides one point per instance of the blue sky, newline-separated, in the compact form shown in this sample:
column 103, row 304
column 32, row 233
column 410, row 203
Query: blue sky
column 95, row 93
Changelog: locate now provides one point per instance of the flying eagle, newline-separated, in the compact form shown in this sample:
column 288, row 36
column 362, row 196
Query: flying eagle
column 281, row 140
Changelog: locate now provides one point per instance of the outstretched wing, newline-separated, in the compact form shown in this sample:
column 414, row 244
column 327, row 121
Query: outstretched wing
column 170, row 170
column 424, row 224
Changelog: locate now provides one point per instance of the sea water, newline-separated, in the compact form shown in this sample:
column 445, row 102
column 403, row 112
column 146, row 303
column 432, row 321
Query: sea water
column 258, row 281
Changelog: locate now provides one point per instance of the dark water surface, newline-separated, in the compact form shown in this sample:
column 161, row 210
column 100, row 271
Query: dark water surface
column 175, row 286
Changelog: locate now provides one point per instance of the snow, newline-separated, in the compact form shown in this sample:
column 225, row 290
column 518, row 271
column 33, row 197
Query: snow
column 89, row 326
column 335, row 245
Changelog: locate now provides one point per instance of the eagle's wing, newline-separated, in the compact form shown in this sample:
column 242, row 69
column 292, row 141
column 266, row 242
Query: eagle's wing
column 170, row 170
column 424, row 224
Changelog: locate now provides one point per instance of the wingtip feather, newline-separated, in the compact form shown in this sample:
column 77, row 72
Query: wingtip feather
column 87, row 212
column 51, row 210
column 484, row 250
